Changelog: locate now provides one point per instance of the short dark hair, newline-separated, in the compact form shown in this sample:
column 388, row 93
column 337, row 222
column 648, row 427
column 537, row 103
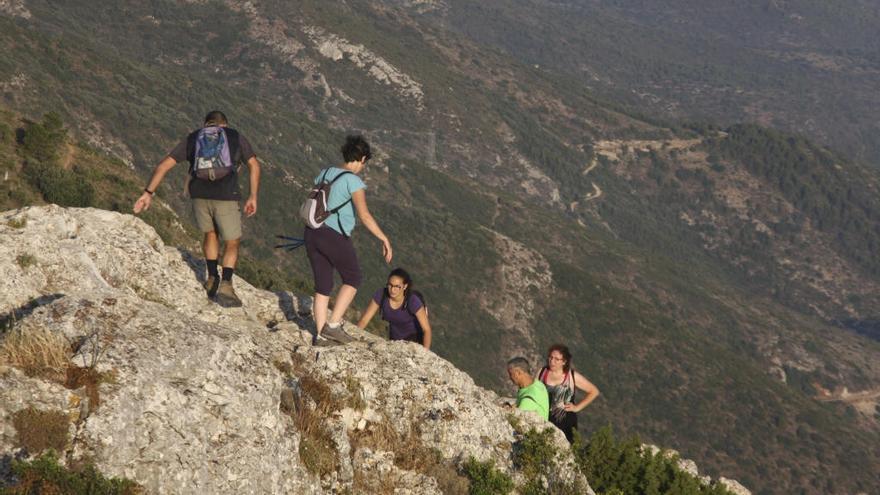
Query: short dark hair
column 216, row 117
column 521, row 363
column 355, row 148
column 566, row 355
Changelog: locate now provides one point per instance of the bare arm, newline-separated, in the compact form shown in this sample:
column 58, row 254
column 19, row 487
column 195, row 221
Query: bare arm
column 250, row 206
column 368, row 315
column 359, row 198
column 591, row 391
column 422, row 316
column 143, row 203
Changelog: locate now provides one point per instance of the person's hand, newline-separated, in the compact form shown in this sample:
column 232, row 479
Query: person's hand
column 571, row 408
column 250, row 206
column 143, row 203
column 386, row 250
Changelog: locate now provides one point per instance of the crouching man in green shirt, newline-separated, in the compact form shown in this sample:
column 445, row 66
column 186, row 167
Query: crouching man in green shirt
column 532, row 394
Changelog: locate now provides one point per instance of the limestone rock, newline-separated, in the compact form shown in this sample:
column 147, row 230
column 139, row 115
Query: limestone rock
column 204, row 399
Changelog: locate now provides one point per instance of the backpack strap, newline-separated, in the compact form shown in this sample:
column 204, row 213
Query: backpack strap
column 543, row 374
column 382, row 301
column 234, row 144
column 335, row 211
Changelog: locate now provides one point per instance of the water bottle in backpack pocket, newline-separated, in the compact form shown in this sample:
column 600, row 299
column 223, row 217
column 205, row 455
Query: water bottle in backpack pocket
column 212, row 159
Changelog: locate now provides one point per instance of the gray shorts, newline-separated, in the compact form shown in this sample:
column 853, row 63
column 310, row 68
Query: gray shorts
column 221, row 216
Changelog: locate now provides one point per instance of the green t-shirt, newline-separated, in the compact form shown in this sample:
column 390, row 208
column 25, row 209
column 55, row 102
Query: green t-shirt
column 534, row 398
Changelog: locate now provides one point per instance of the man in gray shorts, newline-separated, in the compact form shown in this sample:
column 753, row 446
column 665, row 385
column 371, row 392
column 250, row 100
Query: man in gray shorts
column 213, row 187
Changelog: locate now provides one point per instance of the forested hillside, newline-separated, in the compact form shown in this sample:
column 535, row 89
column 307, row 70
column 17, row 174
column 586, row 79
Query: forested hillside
column 706, row 277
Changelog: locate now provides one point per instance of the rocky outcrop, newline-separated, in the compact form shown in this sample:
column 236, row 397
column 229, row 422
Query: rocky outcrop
column 15, row 8
column 195, row 398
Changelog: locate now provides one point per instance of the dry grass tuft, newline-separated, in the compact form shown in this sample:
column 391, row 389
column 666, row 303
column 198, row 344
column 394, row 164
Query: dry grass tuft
column 379, row 484
column 39, row 430
column 317, row 450
column 409, row 454
column 17, row 223
column 355, row 393
column 37, row 352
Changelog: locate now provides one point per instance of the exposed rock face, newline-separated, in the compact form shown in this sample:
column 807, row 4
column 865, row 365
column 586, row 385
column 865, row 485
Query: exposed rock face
column 192, row 404
column 14, row 8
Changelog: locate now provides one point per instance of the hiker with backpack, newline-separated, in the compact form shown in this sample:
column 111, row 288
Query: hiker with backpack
column 329, row 213
column 215, row 153
column 402, row 307
column 562, row 381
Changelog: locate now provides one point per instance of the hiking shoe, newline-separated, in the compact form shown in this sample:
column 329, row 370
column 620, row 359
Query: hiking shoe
column 226, row 295
column 211, row 286
column 337, row 334
column 321, row 341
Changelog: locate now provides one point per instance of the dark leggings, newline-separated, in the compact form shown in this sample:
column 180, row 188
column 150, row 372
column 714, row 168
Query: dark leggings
column 568, row 424
column 329, row 250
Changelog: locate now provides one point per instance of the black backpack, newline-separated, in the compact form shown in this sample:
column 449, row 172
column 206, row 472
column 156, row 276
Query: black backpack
column 420, row 334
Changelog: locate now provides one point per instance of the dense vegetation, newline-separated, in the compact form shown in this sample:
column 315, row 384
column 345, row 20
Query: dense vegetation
column 44, row 475
column 837, row 199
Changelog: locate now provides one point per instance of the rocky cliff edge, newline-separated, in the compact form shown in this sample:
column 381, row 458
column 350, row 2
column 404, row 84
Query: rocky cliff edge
column 157, row 384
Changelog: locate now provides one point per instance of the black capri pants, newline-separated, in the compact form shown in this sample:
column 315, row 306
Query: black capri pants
column 329, row 250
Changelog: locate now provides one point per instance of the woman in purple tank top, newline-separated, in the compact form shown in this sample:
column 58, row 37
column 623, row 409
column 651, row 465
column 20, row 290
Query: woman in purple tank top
column 402, row 307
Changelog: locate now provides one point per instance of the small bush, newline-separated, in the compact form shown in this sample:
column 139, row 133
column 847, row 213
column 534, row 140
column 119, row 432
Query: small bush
column 91, row 379
column 58, row 185
column 356, row 394
column 38, row 430
column 25, row 260
column 45, row 475
column 317, row 450
column 486, row 479
column 43, row 141
column 535, row 453
column 17, row 223
column 37, row 352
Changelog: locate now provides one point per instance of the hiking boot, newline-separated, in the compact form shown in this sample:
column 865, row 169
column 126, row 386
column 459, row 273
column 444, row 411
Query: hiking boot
column 337, row 334
column 226, row 295
column 211, row 286
column 321, row 341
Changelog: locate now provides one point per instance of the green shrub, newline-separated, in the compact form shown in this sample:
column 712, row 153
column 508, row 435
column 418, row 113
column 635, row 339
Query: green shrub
column 486, row 479
column 25, row 260
column 45, row 475
column 59, row 186
column 613, row 467
column 535, row 454
column 43, row 141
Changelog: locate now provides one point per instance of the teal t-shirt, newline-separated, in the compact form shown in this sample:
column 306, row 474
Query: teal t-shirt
column 340, row 193
column 534, row 398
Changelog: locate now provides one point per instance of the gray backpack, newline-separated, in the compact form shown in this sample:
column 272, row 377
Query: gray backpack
column 314, row 210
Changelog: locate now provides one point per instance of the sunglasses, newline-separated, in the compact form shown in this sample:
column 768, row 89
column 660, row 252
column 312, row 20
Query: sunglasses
column 393, row 286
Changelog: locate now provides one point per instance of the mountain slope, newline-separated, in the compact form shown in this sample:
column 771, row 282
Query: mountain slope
column 529, row 211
